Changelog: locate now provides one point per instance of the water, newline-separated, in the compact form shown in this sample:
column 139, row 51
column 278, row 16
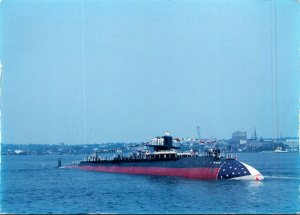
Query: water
column 31, row 184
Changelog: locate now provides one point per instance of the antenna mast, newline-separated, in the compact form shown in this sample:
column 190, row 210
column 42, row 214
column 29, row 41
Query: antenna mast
column 299, row 128
column 1, row 81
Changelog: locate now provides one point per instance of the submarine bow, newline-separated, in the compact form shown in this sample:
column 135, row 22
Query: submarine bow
column 233, row 169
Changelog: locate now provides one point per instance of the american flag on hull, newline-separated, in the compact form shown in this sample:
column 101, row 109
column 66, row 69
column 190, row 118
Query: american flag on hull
column 232, row 169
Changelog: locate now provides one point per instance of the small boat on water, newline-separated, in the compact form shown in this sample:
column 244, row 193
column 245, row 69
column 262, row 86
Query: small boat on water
column 166, row 161
column 279, row 150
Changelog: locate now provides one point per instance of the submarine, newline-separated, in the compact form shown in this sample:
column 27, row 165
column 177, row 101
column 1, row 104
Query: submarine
column 165, row 160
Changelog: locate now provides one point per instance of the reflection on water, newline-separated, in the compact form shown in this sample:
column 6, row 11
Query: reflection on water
column 255, row 184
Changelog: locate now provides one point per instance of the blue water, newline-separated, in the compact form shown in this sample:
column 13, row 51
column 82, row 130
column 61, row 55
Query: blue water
column 31, row 184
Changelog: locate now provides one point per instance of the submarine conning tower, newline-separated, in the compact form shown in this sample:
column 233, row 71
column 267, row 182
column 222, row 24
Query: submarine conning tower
column 163, row 143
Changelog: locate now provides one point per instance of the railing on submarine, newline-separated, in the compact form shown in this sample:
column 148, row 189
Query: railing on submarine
column 165, row 155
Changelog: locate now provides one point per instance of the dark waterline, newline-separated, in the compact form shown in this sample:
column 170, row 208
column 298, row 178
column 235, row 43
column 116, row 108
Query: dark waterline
column 32, row 184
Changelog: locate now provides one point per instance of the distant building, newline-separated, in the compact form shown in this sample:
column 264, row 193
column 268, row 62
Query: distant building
column 253, row 145
column 243, row 141
column 238, row 137
column 255, row 136
column 292, row 143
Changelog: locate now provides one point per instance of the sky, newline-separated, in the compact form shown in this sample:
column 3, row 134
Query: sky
column 83, row 72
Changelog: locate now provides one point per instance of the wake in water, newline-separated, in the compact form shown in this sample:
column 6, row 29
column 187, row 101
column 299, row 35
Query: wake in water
column 43, row 167
column 39, row 169
column 282, row 177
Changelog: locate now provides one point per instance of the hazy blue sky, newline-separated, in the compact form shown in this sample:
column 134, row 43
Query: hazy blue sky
column 148, row 66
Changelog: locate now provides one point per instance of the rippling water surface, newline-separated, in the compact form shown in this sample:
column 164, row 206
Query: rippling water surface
column 32, row 184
